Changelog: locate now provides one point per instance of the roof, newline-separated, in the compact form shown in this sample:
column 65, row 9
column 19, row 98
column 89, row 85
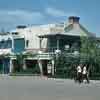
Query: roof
column 75, row 29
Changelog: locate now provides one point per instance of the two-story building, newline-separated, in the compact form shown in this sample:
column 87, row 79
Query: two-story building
column 46, row 40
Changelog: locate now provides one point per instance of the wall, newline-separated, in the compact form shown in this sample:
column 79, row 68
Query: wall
column 31, row 33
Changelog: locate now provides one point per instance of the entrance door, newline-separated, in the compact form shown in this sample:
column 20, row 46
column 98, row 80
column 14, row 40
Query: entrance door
column 32, row 66
column 4, row 65
column 45, row 69
column 1, row 66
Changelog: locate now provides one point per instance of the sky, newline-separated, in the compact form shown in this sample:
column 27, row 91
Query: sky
column 33, row 12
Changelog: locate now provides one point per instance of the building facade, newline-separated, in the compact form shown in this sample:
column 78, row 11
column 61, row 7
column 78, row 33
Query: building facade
column 10, row 44
column 42, row 42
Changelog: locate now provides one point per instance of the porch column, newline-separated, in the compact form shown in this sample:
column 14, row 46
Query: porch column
column 12, row 43
column 53, row 72
column 40, row 43
column 24, row 65
column 57, row 43
column 58, row 51
column 40, row 67
column 11, row 66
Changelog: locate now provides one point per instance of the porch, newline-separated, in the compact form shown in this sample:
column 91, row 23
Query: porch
column 62, row 42
column 41, row 64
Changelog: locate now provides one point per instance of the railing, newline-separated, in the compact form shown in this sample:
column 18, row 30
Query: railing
column 45, row 55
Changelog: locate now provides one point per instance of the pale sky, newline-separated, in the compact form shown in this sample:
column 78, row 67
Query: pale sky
column 27, row 12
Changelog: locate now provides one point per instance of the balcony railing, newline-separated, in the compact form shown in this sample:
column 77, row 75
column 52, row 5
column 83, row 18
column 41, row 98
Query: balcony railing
column 62, row 49
column 45, row 55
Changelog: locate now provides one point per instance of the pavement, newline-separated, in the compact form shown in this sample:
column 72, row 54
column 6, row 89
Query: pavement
column 42, row 88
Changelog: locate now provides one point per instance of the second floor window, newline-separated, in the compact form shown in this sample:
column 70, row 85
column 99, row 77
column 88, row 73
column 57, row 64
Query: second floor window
column 27, row 43
column 5, row 44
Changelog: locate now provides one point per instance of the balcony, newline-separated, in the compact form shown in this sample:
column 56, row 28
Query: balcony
column 46, row 56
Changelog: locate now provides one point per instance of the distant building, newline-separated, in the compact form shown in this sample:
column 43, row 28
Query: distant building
column 10, row 44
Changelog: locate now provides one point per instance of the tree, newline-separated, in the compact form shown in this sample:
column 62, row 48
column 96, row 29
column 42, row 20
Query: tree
column 60, row 65
column 65, row 65
column 90, row 52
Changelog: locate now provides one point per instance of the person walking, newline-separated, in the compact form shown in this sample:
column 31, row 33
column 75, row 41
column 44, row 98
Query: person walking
column 85, row 74
column 79, row 73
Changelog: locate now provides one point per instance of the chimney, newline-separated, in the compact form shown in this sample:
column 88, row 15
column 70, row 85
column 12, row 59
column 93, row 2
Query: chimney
column 73, row 20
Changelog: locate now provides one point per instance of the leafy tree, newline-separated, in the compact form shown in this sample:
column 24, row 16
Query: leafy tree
column 19, row 62
column 90, row 52
column 65, row 65
column 60, row 65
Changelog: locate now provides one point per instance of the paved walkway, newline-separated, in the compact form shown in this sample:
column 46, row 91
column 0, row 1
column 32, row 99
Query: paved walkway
column 41, row 88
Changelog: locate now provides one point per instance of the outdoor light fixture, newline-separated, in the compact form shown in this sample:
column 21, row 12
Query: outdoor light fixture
column 57, row 51
column 76, row 53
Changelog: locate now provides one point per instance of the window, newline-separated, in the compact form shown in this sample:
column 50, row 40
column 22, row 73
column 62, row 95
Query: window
column 27, row 43
column 2, row 44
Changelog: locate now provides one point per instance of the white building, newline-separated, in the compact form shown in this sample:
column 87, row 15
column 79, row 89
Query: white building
column 31, row 34
column 9, row 45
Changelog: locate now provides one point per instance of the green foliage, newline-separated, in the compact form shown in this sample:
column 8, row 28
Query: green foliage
column 19, row 62
column 91, row 53
column 65, row 65
column 60, row 65
column 20, row 57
